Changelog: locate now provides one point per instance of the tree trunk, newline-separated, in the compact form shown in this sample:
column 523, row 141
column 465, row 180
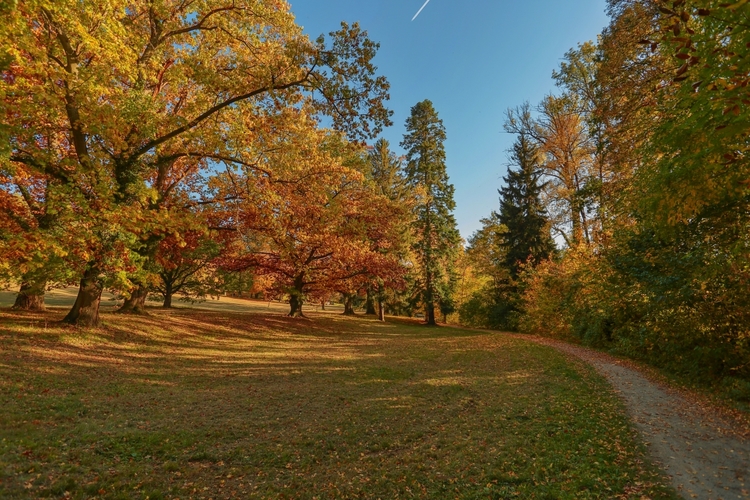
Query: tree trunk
column 322, row 305
column 295, row 303
column 168, row 296
column 429, row 293
column 430, row 314
column 31, row 296
column 136, row 303
column 348, row 308
column 296, row 298
column 381, row 309
column 370, row 304
column 85, row 311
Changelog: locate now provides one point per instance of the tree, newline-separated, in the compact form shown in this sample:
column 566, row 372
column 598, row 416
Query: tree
column 484, row 274
column 526, row 238
column 185, row 72
column 567, row 157
column 669, row 284
column 630, row 72
column 307, row 215
column 579, row 78
column 698, row 152
column 186, row 265
column 436, row 237
column 510, row 242
column 386, row 172
column 36, row 234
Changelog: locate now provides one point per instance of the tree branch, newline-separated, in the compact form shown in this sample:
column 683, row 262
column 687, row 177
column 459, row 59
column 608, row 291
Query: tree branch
column 207, row 114
column 199, row 24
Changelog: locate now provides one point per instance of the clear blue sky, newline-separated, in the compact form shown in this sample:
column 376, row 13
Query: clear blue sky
column 473, row 59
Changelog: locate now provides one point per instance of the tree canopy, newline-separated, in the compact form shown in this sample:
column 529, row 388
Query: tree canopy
column 118, row 108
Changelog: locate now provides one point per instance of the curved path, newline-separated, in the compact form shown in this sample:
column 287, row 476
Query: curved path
column 704, row 453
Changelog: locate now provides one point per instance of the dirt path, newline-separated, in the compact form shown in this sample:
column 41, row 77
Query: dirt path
column 703, row 452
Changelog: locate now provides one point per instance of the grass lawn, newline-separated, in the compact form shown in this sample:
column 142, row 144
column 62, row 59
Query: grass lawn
column 205, row 404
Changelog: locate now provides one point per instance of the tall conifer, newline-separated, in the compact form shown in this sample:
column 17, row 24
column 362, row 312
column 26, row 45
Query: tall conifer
column 436, row 237
column 522, row 211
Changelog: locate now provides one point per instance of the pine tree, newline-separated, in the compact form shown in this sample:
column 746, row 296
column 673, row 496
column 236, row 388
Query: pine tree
column 521, row 210
column 436, row 237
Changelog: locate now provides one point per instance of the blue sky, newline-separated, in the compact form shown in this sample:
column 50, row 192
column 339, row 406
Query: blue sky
column 473, row 59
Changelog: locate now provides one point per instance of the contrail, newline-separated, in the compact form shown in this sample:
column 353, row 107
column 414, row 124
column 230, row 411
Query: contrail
column 420, row 10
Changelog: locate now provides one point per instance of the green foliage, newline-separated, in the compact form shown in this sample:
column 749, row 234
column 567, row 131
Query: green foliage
column 436, row 238
column 495, row 307
column 386, row 172
column 516, row 238
column 699, row 157
column 474, row 311
column 235, row 283
column 665, row 277
column 527, row 239
column 670, row 302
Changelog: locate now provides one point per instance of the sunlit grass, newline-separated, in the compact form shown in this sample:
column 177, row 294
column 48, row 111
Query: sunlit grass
column 189, row 404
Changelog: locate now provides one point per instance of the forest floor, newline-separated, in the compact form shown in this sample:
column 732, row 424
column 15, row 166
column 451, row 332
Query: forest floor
column 703, row 447
column 212, row 404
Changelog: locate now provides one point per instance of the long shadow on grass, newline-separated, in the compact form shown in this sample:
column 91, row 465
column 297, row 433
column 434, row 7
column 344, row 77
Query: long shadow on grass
column 263, row 406
column 201, row 343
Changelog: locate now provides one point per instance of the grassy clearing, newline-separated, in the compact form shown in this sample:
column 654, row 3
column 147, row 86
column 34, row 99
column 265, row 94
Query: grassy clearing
column 196, row 404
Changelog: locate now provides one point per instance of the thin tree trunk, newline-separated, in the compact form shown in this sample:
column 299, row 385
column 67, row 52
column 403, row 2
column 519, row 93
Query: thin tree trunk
column 381, row 309
column 429, row 301
column 85, row 311
column 585, row 225
column 31, row 296
column 136, row 303
column 322, row 305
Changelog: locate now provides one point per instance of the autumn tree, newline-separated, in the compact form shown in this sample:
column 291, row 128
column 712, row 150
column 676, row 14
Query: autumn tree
column 307, row 215
column 186, row 264
column 561, row 135
column 436, row 237
column 669, row 284
column 485, row 260
column 37, row 227
column 387, row 175
column 630, row 71
column 183, row 72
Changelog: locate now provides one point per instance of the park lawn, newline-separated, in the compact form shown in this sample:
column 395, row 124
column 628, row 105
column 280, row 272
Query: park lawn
column 195, row 404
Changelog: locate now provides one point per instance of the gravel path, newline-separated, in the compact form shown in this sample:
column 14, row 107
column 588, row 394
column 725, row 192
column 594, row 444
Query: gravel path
column 703, row 452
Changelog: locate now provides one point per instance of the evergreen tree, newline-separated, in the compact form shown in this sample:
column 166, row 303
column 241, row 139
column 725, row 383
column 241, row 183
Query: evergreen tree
column 521, row 210
column 436, row 237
